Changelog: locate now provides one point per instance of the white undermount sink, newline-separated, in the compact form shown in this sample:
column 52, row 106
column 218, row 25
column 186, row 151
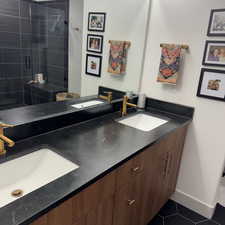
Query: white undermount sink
column 31, row 172
column 143, row 122
column 87, row 104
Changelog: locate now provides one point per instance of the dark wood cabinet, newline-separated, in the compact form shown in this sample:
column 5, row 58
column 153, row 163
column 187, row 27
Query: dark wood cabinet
column 153, row 183
column 130, row 195
column 41, row 221
column 163, row 161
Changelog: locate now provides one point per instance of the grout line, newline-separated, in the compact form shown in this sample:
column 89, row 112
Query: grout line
column 176, row 206
column 215, row 222
column 202, row 221
column 174, row 214
column 186, row 218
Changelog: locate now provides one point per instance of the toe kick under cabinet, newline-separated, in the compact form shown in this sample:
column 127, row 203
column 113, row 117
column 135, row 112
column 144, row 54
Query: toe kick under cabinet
column 132, row 194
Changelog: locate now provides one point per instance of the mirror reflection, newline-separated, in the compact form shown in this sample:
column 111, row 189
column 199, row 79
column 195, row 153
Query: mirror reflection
column 62, row 49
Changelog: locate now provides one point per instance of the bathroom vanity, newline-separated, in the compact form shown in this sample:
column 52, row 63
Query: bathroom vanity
column 124, row 174
column 133, row 193
column 76, row 161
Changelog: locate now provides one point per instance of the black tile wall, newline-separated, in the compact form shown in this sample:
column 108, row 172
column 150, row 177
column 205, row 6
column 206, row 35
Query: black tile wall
column 25, row 6
column 9, row 24
column 34, row 39
column 55, row 75
column 9, row 40
column 10, row 55
column 9, row 7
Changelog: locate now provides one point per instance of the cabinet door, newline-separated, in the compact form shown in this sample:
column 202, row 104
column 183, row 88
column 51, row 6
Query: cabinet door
column 61, row 215
column 127, row 205
column 102, row 214
column 129, row 191
column 92, row 197
column 175, row 149
column 80, row 221
column 153, row 183
column 41, row 221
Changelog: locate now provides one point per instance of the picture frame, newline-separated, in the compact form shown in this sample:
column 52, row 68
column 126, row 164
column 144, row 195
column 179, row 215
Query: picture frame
column 216, row 26
column 95, row 43
column 212, row 84
column 214, row 53
column 96, row 21
column 93, row 65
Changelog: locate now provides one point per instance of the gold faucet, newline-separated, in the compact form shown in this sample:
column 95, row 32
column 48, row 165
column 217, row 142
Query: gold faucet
column 108, row 97
column 125, row 104
column 4, row 139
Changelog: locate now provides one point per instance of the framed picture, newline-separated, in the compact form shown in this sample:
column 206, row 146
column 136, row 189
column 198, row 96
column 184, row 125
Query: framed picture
column 93, row 65
column 212, row 84
column 214, row 54
column 96, row 21
column 217, row 23
column 94, row 43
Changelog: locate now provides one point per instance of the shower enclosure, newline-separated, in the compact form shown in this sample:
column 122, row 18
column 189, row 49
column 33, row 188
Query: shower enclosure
column 34, row 39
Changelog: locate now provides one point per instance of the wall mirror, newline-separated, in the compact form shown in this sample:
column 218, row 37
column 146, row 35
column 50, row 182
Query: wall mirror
column 44, row 48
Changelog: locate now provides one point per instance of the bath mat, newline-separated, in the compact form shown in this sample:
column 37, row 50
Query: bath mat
column 169, row 64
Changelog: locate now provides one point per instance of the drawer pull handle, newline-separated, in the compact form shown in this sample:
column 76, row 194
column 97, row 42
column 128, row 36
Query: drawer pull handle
column 136, row 169
column 131, row 202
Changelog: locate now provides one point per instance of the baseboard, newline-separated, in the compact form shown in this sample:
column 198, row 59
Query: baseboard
column 193, row 204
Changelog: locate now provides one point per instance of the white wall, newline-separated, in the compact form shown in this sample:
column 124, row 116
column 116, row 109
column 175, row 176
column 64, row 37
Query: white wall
column 75, row 45
column 126, row 20
column 186, row 22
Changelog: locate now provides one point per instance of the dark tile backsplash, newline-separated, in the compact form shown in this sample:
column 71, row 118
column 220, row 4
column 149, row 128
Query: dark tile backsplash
column 34, row 39
column 9, row 7
column 10, row 40
column 9, row 24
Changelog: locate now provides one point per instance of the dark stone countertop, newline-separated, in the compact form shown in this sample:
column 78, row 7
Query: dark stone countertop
column 27, row 114
column 97, row 146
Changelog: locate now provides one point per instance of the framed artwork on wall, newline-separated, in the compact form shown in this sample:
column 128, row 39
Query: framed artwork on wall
column 214, row 54
column 94, row 43
column 217, row 23
column 96, row 21
column 212, row 84
column 93, row 65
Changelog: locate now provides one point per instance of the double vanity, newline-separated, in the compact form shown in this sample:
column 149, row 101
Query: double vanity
column 108, row 170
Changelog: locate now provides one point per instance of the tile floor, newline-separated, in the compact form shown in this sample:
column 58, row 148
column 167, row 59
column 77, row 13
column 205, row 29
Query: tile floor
column 175, row 214
column 221, row 192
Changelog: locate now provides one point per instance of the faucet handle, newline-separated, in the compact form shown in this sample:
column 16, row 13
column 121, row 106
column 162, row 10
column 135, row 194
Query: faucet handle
column 4, row 125
column 108, row 92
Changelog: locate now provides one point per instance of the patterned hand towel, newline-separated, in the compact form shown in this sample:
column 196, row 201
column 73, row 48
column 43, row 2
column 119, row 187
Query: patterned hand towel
column 169, row 64
column 118, row 57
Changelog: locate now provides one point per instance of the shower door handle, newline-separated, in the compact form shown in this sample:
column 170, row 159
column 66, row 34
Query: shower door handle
column 28, row 62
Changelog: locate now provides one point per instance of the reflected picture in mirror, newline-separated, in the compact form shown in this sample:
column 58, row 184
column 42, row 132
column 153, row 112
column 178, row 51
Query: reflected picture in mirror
column 93, row 65
column 94, row 43
column 96, row 21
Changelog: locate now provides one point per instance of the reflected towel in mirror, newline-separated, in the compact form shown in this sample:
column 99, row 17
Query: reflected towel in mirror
column 118, row 57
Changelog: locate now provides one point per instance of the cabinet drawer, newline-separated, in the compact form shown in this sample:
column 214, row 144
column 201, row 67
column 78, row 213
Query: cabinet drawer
column 129, row 171
column 90, row 198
